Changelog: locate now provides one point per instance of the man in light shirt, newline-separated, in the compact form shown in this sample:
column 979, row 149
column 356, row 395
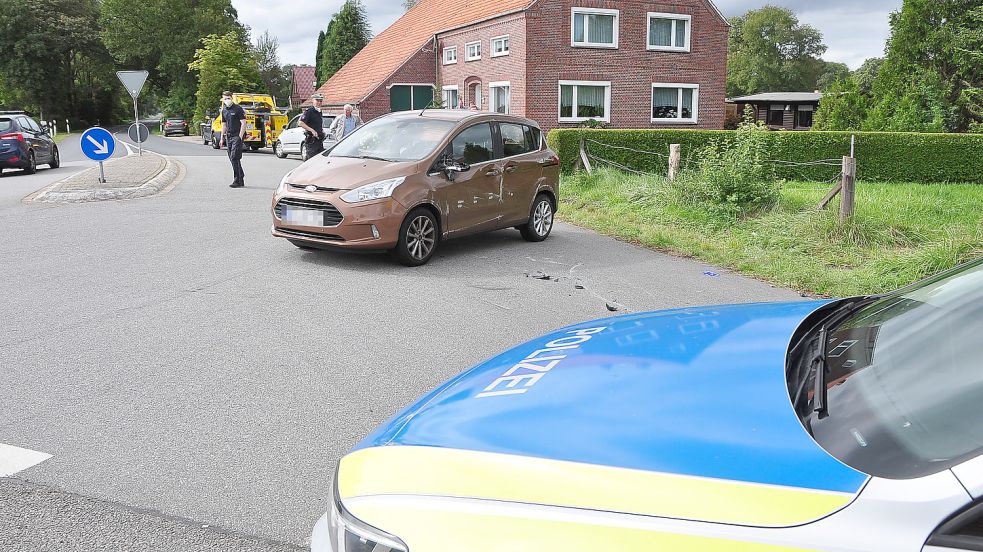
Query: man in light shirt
column 343, row 126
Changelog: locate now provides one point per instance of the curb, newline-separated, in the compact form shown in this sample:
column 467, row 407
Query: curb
column 163, row 182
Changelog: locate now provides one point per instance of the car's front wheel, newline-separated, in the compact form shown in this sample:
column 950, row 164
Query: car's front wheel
column 418, row 238
column 278, row 150
column 540, row 220
column 55, row 159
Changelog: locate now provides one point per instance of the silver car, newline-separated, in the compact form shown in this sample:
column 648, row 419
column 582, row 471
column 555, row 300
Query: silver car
column 291, row 140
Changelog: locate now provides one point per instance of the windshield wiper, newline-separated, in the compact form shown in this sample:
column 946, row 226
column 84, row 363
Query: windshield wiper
column 819, row 405
column 374, row 158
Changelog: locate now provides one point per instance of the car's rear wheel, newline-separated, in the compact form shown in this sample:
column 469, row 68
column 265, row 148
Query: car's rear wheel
column 55, row 159
column 278, row 150
column 253, row 147
column 418, row 238
column 32, row 164
column 215, row 142
column 540, row 220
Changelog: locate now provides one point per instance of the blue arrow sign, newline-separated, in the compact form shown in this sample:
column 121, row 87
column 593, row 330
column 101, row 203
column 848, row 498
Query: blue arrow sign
column 98, row 144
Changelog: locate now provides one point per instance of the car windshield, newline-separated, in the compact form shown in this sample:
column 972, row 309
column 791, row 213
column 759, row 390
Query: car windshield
column 903, row 379
column 6, row 124
column 394, row 139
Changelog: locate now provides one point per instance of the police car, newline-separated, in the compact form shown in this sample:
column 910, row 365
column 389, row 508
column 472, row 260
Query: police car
column 848, row 425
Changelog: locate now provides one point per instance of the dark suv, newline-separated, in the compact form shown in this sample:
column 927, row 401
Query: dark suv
column 24, row 145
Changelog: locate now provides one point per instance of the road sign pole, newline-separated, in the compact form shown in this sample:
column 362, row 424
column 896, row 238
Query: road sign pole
column 102, row 174
column 136, row 117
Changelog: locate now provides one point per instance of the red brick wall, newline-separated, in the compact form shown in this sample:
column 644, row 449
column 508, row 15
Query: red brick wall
column 510, row 68
column 631, row 68
column 419, row 69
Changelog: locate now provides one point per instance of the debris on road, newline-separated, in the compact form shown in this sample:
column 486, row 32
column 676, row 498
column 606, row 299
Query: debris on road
column 711, row 274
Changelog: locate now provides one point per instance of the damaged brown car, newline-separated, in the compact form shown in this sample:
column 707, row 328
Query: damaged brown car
column 407, row 181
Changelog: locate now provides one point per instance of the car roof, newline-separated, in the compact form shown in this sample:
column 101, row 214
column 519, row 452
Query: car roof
column 462, row 115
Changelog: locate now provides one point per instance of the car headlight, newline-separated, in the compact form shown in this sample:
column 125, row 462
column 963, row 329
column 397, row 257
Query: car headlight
column 283, row 183
column 349, row 534
column 376, row 190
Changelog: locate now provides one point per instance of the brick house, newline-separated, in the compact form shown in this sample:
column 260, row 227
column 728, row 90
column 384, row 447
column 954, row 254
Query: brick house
column 303, row 84
column 632, row 64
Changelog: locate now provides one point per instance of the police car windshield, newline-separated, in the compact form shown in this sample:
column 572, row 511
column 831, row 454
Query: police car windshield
column 394, row 139
column 904, row 380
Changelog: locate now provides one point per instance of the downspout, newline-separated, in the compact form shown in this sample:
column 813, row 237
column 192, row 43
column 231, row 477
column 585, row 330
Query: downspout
column 438, row 81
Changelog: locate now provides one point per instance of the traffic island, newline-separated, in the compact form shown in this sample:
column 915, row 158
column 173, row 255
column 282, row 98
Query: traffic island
column 129, row 177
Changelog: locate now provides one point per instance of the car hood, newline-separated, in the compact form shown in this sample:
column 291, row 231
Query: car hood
column 662, row 401
column 347, row 173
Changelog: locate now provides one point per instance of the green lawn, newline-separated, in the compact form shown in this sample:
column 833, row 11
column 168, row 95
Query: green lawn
column 900, row 233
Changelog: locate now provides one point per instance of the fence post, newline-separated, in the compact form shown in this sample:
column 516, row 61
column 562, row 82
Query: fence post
column 849, row 188
column 674, row 150
column 583, row 157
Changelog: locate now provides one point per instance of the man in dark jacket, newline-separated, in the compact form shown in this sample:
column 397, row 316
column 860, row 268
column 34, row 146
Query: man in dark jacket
column 313, row 123
column 233, row 132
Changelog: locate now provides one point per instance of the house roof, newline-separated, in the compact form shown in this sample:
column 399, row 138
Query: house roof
column 303, row 82
column 779, row 97
column 391, row 48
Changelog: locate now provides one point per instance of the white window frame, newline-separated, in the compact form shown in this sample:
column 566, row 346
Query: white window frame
column 443, row 96
column 448, row 50
column 508, row 45
column 575, row 84
column 679, row 102
column 491, row 95
column 674, row 17
column 467, row 51
column 596, row 11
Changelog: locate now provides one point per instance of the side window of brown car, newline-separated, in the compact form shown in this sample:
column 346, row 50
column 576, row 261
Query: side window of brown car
column 473, row 145
column 516, row 139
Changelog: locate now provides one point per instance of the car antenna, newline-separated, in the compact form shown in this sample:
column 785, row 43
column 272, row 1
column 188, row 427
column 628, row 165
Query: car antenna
column 424, row 110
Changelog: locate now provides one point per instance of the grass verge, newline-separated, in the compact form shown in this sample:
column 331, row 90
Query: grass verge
column 901, row 231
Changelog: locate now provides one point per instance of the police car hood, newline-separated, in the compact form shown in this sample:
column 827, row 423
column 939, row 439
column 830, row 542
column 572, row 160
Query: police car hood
column 692, row 395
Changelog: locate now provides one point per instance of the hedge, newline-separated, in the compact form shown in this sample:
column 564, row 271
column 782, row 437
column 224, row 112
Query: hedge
column 881, row 156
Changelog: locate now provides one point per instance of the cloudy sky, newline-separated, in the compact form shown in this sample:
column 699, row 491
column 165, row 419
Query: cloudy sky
column 854, row 30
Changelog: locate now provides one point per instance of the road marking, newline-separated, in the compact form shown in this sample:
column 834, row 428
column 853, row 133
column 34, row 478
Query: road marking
column 129, row 150
column 15, row 459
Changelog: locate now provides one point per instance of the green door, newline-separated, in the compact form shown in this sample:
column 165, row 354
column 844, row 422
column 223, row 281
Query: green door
column 401, row 98
column 422, row 96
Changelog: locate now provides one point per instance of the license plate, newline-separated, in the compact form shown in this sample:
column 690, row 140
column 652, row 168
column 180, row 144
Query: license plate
column 303, row 217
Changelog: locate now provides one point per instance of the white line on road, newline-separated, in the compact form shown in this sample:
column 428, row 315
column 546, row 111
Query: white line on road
column 15, row 459
column 129, row 150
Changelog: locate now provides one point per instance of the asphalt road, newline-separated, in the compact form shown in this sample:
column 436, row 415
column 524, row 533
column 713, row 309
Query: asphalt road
column 195, row 380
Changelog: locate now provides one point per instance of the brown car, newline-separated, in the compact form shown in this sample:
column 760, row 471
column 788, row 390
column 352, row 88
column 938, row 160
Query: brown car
column 406, row 181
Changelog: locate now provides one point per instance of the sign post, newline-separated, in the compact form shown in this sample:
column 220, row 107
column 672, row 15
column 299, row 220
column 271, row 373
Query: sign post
column 98, row 145
column 133, row 81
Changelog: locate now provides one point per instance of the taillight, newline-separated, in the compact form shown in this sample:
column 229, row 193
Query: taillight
column 13, row 136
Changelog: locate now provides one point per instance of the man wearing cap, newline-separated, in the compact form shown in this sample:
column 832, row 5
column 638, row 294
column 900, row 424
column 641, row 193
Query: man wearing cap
column 343, row 126
column 313, row 123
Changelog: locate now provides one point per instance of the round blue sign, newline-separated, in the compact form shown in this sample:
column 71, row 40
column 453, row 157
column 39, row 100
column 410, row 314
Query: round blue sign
column 98, row 144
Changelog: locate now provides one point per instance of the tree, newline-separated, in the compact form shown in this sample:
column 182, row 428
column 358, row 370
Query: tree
column 57, row 65
column 273, row 75
column 348, row 33
column 770, row 50
column 408, row 4
column 162, row 36
column 222, row 64
column 317, row 58
column 843, row 107
column 831, row 72
column 867, row 73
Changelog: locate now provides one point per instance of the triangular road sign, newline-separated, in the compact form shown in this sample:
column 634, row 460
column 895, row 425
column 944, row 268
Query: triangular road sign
column 133, row 81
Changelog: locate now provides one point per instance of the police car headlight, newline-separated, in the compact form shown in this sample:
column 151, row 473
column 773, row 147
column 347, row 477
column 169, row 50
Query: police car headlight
column 376, row 190
column 349, row 534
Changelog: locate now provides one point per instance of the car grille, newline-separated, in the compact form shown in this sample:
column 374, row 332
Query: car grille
column 319, row 188
column 332, row 216
column 311, row 235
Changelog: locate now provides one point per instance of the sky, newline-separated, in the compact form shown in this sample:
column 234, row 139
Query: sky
column 854, row 30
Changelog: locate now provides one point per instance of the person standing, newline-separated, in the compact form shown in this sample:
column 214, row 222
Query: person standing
column 313, row 123
column 233, row 132
column 343, row 126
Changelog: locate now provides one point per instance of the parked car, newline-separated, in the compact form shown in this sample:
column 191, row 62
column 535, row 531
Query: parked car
column 24, row 145
column 848, row 425
column 406, row 181
column 291, row 140
column 176, row 126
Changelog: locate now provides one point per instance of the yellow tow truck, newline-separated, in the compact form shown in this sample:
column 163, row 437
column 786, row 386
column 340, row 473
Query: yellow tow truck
column 264, row 122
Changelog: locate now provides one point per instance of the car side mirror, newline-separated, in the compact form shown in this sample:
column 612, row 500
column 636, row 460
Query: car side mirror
column 450, row 168
column 284, row 127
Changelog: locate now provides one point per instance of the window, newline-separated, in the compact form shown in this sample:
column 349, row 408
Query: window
column 517, row 139
column 804, row 116
column 405, row 97
column 500, row 46
column 450, row 55
column 501, row 96
column 675, row 103
column 776, row 115
column 473, row 145
column 594, row 28
column 293, row 122
column 583, row 100
column 669, row 31
column 472, row 51
column 450, row 97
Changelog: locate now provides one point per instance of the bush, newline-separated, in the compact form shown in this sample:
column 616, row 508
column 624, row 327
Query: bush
column 881, row 156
